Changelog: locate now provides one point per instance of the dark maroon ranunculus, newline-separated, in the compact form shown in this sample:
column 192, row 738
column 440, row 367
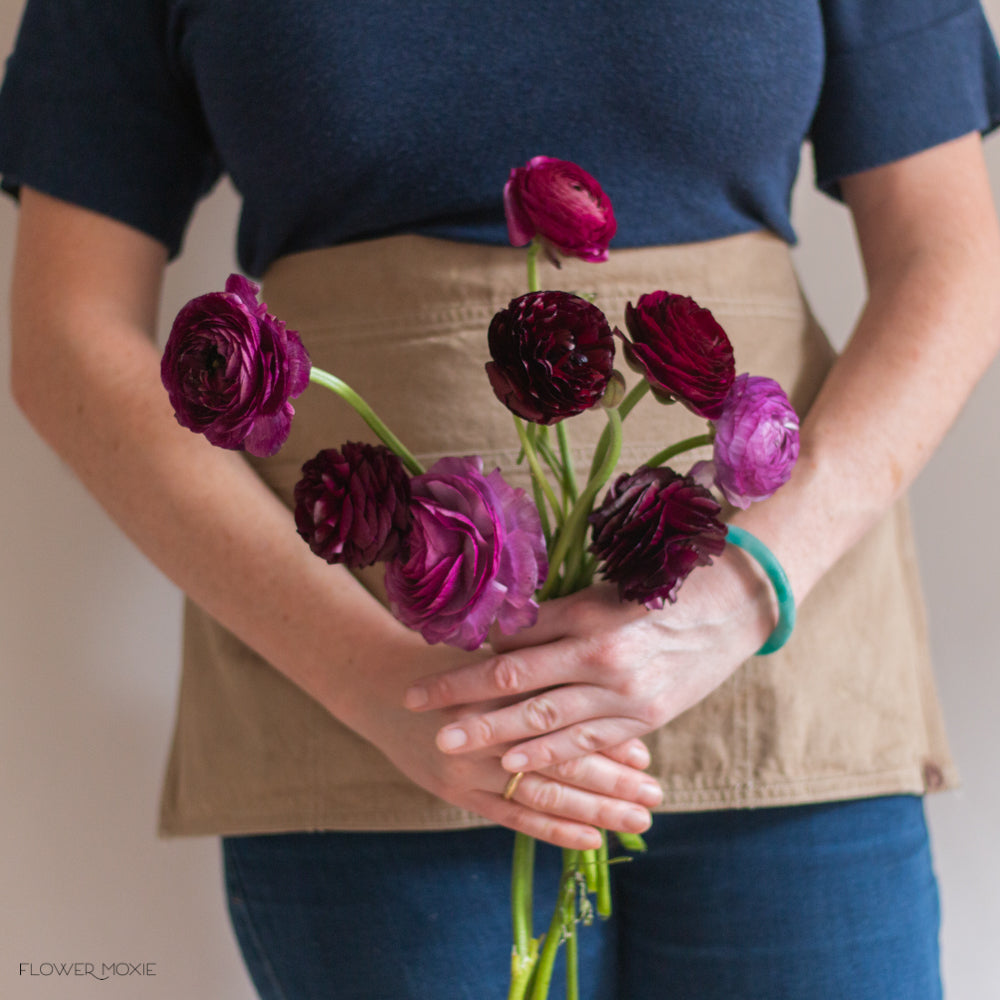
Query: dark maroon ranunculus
column 653, row 527
column 561, row 203
column 681, row 350
column 552, row 356
column 353, row 506
column 230, row 369
column 475, row 555
column 756, row 441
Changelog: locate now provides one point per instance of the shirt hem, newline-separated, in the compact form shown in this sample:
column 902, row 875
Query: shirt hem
column 291, row 817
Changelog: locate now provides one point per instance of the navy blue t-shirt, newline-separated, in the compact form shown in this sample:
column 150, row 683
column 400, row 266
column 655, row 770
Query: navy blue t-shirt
column 346, row 121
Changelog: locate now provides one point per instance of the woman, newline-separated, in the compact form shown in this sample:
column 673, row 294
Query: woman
column 86, row 374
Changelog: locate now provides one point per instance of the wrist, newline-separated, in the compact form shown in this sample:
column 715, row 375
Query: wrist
column 768, row 564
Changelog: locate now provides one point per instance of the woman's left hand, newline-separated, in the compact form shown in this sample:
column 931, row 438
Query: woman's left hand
column 594, row 672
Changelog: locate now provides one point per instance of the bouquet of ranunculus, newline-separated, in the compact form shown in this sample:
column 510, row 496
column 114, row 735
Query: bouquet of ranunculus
column 463, row 550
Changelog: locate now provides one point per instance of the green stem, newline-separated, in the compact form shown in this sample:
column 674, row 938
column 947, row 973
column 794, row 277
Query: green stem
column 686, row 445
column 543, row 513
column 625, row 407
column 628, row 404
column 569, row 476
column 603, row 879
column 588, row 865
column 524, row 956
column 521, row 887
column 573, row 532
column 342, row 389
column 554, row 935
column 533, row 249
column 571, row 863
column 552, row 461
column 537, row 472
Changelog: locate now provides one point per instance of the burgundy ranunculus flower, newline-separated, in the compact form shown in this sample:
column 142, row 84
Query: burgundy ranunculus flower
column 353, row 506
column 681, row 350
column 230, row 369
column 756, row 441
column 552, row 356
column 653, row 527
column 475, row 555
column 563, row 204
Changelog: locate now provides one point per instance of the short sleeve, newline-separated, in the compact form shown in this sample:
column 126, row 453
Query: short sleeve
column 901, row 76
column 92, row 111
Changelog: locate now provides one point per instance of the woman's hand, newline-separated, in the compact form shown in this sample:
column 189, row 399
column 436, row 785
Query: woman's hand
column 594, row 671
column 563, row 805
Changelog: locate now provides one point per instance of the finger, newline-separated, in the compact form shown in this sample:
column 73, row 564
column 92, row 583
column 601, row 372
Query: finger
column 600, row 775
column 498, row 677
column 632, row 752
column 556, row 798
column 555, row 830
column 542, row 713
column 567, row 744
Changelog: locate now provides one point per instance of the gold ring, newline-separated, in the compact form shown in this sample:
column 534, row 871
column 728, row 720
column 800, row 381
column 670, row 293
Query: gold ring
column 512, row 782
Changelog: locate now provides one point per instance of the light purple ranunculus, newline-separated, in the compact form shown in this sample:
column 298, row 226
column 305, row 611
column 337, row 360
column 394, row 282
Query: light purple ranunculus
column 475, row 555
column 561, row 203
column 756, row 441
column 230, row 369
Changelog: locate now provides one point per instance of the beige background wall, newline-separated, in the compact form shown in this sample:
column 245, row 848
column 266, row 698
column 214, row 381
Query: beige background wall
column 88, row 668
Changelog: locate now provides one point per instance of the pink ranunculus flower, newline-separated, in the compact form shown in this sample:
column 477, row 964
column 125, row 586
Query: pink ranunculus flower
column 756, row 441
column 652, row 529
column 475, row 555
column 561, row 203
column 353, row 505
column 681, row 350
column 230, row 369
column 553, row 354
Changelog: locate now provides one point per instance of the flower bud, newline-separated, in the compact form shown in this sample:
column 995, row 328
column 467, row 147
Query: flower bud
column 615, row 391
column 561, row 203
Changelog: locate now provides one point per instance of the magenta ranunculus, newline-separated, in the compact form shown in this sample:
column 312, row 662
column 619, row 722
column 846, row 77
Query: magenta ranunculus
column 552, row 353
column 230, row 369
column 353, row 506
column 561, row 203
column 475, row 555
column 653, row 527
column 681, row 350
column 756, row 441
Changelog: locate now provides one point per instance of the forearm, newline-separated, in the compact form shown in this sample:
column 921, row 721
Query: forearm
column 86, row 373
column 928, row 331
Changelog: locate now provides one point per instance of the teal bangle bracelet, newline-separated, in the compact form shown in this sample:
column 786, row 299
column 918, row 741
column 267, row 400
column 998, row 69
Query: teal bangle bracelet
column 755, row 548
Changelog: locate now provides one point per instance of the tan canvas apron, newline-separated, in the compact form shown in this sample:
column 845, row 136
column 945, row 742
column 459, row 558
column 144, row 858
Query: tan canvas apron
column 847, row 709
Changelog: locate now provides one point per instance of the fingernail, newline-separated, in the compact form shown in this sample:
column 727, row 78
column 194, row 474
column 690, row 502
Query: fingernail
column 637, row 819
column 650, row 794
column 515, row 762
column 639, row 757
column 451, row 739
column 416, row 697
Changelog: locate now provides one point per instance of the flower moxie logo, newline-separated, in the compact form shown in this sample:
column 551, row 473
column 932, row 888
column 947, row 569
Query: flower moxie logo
column 89, row 970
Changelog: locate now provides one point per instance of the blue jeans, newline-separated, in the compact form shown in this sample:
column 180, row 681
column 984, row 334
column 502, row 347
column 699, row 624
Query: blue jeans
column 822, row 902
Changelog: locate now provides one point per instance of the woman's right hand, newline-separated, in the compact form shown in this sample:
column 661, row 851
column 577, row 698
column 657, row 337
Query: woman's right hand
column 563, row 805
